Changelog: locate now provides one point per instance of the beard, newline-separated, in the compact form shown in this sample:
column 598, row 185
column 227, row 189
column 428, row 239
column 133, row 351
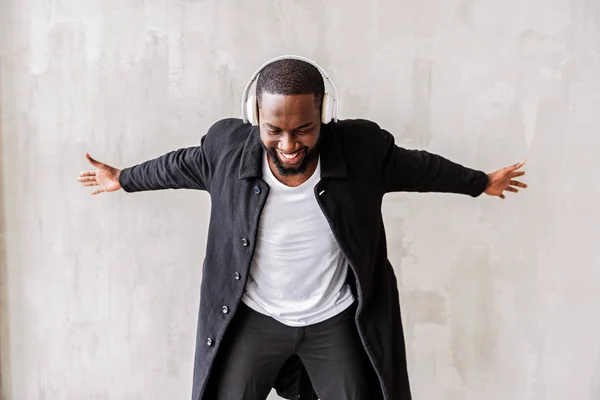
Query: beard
column 300, row 169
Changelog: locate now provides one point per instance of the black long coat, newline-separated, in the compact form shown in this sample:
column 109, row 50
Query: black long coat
column 360, row 163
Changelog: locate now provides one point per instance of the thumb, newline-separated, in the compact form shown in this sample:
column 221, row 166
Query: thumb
column 95, row 163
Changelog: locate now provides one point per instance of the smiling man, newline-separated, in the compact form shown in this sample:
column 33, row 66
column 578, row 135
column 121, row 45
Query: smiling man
column 297, row 290
column 290, row 132
column 290, row 117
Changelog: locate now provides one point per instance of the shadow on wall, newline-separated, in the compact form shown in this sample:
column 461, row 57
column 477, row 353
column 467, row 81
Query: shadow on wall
column 595, row 389
column 4, row 353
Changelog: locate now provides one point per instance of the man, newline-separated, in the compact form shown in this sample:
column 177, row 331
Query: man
column 297, row 291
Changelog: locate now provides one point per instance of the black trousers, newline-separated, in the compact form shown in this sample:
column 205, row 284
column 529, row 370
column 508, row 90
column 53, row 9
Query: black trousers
column 256, row 348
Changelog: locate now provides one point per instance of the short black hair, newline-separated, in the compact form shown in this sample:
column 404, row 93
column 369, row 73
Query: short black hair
column 290, row 77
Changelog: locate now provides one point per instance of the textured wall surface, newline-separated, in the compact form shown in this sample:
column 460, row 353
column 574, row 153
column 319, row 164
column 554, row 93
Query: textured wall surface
column 100, row 294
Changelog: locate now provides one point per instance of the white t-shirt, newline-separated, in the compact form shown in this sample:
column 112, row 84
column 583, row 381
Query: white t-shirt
column 298, row 273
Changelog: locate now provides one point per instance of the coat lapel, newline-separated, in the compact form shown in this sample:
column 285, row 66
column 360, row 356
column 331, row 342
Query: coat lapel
column 251, row 162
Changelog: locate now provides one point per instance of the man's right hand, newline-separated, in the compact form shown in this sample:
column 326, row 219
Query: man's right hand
column 105, row 176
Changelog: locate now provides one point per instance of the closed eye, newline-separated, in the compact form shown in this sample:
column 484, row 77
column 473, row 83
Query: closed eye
column 304, row 130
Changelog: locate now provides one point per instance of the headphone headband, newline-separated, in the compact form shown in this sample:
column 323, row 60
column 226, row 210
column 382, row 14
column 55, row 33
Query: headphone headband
column 289, row 57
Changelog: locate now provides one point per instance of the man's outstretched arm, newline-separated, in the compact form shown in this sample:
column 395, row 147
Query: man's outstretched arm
column 421, row 171
column 186, row 168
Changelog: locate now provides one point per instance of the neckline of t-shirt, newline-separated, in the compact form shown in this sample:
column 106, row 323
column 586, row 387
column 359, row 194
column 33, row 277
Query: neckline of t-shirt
column 272, row 178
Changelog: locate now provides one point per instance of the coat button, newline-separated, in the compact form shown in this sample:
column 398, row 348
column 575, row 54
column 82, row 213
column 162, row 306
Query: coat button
column 256, row 190
column 225, row 309
column 237, row 276
column 245, row 242
column 209, row 341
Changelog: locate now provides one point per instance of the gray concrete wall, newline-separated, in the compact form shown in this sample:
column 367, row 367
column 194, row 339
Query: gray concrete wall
column 100, row 294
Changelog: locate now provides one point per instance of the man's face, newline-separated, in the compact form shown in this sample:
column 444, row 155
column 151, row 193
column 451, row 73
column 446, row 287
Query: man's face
column 290, row 127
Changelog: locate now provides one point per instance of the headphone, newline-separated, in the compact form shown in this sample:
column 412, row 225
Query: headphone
column 329, row 106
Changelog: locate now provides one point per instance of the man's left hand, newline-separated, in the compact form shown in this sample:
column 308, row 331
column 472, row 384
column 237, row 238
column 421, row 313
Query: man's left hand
column 504, row 180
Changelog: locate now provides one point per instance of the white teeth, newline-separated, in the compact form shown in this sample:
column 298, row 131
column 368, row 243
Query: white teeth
column 289, row 156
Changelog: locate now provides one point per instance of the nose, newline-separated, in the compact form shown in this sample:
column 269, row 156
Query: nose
column 288, row 143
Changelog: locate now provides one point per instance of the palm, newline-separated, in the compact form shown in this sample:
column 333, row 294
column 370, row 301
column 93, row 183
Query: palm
column 504, row 180
column 105, row 177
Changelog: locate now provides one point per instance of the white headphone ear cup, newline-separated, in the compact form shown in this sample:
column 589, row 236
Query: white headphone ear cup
column 252, row 110
column 327, row 108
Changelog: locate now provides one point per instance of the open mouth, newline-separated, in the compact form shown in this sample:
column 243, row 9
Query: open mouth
column 291, row 158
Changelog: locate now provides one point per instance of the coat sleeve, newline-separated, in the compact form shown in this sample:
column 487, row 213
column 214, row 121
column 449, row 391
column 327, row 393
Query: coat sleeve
column 186, row 168
column 404, row 170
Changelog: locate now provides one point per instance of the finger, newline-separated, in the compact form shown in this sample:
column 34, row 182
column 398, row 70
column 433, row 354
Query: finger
column 98, row 191
column 95, row 163
column 94, row 183
column 512, row 189
column 516, row 174
column 88, row 173
column 502, row 196
column 519, row 184
column 517, row 165
column 86, row 179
